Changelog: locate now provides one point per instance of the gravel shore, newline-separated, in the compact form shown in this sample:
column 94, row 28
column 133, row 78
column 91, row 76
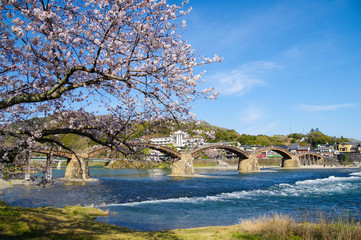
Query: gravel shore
column 11, row 183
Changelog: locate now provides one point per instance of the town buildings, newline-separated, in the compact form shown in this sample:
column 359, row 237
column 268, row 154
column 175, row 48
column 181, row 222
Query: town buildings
column 180, row 140
column 327, row 150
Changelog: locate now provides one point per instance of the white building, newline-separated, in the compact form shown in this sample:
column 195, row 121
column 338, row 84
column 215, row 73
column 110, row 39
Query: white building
column 179, row 139
column 327, row 149
column 161, row 140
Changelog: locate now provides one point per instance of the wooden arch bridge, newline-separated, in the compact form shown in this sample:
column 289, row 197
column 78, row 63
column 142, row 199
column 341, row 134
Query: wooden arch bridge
column 248, row 161
column 77, row 165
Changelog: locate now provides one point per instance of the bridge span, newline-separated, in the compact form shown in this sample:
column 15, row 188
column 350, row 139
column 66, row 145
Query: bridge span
column 182, row 165
column 248, row 161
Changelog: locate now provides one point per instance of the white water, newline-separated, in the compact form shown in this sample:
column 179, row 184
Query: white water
column 305, row 188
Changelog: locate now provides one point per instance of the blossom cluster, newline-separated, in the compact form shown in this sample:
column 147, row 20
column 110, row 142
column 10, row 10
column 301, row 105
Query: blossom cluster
column 69, row 59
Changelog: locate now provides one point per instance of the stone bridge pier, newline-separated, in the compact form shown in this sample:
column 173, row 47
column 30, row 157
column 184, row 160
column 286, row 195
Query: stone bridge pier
column 294, row 162
column 248, row 165
column 184, row 166
column 77, row 168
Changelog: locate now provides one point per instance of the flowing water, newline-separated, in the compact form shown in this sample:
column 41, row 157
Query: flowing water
column 151, row 200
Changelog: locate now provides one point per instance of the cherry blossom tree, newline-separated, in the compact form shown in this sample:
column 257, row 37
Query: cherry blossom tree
column 213, row 153
column 95, row 67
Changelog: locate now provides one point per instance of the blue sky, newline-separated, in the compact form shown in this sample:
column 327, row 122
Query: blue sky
column 288, row 66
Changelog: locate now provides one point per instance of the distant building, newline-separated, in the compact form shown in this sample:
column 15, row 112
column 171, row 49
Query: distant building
column 348, row 147
column 303, row 149
column 179, row 139
column 249, row 148
column 268, row 154
column 327, row 149
column 161, row 140
column 295, row 148
column 285, row 147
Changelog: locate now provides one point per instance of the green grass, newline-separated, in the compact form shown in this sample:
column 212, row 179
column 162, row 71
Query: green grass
column 76, row 222
column 137, row 164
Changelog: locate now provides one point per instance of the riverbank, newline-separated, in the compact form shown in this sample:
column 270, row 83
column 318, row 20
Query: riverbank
column 78, row 223
column 14, row 182
column 235, row 167
column 11, row 183
column 342, row 186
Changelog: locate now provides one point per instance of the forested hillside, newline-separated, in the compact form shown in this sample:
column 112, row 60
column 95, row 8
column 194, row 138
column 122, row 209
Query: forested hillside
column 209, row 132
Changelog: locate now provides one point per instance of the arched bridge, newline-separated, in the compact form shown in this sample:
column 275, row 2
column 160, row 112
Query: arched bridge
column 288, row 160
column 230, row 148
column 307, row 159
column 248, row 161
column 55, row 153
column 183, row 164
column 284, row 153
column 161, row 148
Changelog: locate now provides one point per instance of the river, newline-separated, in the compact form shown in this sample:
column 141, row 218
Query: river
column 151, row 200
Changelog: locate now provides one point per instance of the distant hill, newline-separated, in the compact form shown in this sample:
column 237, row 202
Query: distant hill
column 209, row 132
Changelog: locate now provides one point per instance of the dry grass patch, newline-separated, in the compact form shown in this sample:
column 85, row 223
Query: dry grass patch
column 209, row 233
column 276, row 225
column 285, row 227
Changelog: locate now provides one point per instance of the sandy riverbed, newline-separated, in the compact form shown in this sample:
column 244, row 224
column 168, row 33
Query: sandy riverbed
column 11, row 183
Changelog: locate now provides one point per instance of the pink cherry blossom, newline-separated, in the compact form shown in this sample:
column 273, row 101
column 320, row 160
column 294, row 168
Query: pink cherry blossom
column 126, row 60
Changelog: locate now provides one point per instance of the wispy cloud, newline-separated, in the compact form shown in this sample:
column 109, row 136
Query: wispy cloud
column 237, row 82
column 251, row 114
column 254, row 119
column 294, row 52
column 322, row 108
column 259, row 66
column 243, row 79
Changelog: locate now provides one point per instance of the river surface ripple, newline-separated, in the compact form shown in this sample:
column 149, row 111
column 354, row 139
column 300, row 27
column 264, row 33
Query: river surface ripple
column 151, row 200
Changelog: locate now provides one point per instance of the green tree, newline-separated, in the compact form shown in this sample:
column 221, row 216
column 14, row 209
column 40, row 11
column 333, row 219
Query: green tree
column 342, row 139
column 296, row 136
column 344, row 158
column 263, row 140
column 316, row 137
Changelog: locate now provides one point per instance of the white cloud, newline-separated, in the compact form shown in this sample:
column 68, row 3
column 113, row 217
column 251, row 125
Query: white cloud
column 243, row 79
column 259, row 66
column 321, row 108
column 294, row 53
column 251, row 114
column 254, row 119
column 237, row 82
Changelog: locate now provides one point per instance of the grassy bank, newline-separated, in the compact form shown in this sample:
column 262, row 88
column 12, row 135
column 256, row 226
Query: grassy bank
column 78, row 223
column 138, row 164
